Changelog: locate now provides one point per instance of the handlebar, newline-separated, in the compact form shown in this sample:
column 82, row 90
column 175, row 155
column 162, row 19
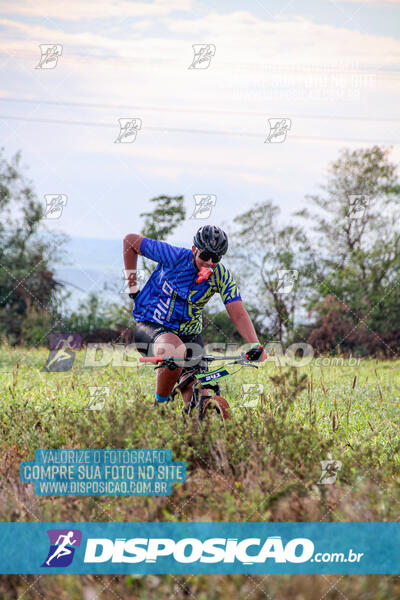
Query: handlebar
column 240, row 359
column 208, row 357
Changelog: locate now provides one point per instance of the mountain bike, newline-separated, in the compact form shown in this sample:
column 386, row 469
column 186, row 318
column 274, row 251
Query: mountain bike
column 203, row 379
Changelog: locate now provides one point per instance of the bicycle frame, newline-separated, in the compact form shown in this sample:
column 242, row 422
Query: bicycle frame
column 203, row 377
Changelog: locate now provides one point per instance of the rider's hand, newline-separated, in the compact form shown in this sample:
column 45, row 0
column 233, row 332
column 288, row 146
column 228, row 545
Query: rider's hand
column 256, row 353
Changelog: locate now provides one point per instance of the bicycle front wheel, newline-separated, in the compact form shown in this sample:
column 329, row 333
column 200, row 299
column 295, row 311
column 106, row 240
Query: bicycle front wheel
column 219, row 404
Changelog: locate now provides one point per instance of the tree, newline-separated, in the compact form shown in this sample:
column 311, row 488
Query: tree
column 273, row 262
column 358, row 238
column 168, row 213
column 217, row 327
column 27, row 256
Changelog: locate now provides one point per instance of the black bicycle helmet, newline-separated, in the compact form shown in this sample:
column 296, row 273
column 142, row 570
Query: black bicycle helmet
column 212, row 239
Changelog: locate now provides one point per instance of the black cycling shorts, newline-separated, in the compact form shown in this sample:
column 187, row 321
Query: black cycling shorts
column 146, row 333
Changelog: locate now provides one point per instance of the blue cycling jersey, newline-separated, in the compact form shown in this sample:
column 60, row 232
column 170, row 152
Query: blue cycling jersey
column 171, row 296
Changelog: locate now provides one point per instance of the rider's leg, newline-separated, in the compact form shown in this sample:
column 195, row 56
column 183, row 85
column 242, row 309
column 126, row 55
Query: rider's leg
column 187, row 392
column 168, row 344
column 194, row 352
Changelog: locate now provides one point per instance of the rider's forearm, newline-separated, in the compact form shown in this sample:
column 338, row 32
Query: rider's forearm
column 240, row 318
column 131, row 247
column 246, row 328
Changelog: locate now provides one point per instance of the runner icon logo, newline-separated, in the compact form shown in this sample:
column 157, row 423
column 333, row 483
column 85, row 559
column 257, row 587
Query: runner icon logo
column 62, row 547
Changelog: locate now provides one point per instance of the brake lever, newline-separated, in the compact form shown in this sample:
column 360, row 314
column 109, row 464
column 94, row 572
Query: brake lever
column 167, row 363
column 244, row 363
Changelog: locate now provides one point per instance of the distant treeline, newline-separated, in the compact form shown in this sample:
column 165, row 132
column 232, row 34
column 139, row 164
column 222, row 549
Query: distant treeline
column 329, row 277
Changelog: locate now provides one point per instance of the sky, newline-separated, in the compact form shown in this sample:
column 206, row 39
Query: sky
column 331, row 69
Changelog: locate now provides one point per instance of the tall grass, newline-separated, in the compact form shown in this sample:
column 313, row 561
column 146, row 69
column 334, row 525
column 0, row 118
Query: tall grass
column 265, row 466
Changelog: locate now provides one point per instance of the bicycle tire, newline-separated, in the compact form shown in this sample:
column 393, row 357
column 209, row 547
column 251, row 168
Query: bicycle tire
column 219, row 404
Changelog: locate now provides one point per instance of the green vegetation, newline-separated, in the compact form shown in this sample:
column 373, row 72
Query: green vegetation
column 28, row 291
column 266, row 464
column 345, row 265
column 265, row 467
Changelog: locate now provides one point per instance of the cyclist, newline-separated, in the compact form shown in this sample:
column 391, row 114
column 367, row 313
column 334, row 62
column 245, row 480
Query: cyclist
column 168, row 309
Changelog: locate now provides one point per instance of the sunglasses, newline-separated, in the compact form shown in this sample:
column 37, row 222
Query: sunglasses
column 205, row 255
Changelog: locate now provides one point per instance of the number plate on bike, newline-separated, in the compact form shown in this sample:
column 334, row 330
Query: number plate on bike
column 207, row 377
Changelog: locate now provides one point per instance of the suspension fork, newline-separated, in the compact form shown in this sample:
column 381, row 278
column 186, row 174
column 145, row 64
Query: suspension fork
column 214, row 387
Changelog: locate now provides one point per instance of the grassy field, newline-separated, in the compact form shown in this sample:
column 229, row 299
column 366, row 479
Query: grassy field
column 266, row 466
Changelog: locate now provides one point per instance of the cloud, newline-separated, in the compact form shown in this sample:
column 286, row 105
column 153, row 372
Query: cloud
column 241, row 37
column 277, row 67
column 75, row 10
column 244, row 42
column 261, row 67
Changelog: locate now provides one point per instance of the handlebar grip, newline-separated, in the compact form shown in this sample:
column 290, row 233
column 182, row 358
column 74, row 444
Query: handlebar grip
column 151, row 359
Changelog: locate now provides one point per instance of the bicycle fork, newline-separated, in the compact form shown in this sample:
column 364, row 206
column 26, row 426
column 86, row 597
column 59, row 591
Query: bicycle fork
column 199, row 398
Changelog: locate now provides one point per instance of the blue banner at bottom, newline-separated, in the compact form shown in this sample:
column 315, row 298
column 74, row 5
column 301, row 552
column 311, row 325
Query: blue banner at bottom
column 230, row 548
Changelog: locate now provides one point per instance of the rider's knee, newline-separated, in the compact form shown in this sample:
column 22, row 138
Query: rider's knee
column 163, row 348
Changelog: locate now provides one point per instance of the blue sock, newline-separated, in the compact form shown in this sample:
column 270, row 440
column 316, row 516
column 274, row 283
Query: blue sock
column 161, row 398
